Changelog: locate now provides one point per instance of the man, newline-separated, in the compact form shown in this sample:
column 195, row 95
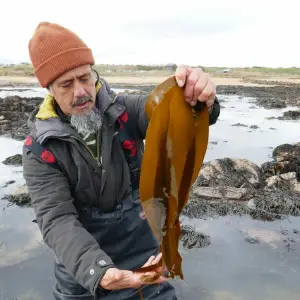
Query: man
column 86, row 208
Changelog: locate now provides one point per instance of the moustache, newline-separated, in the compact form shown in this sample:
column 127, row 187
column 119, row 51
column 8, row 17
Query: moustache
column 82, row 100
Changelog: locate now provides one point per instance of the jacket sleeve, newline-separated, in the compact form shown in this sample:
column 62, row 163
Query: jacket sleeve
column 58, row 221
column 135, row 105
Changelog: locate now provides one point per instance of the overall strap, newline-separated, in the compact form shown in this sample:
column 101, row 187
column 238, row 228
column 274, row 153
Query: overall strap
column 36, row 148
column 127, row 136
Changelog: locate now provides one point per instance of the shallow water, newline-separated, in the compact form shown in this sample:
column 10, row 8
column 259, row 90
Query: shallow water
column 244, row 142
column 229, row 269
column 28, row 92
column 232, row 268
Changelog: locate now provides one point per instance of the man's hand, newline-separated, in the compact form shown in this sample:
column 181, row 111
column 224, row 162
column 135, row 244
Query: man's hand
column 115, row 279
column 198, row 86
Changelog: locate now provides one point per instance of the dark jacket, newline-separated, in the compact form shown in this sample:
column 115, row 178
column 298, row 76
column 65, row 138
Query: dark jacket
column 56, row 196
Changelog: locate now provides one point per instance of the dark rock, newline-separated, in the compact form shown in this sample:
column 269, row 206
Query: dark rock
column 254, row 127
column 286, row 152
column 240, row 125
column 14, row 114
column 8, row 183
column 274, row 97
column 251, row 240
column 274, row 105
column 19, row 197
column 193, row 239
column 290, row 115
column 238, row 186
column 15, row 160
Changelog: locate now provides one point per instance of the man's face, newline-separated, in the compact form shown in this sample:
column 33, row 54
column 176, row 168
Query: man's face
column 75, row 91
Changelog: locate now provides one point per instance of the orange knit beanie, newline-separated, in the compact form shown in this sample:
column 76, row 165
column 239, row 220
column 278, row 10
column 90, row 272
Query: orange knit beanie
column 55, row 50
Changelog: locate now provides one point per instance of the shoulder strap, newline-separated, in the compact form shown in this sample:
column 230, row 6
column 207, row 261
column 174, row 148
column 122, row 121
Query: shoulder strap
column 127, row 136
column 36, row 148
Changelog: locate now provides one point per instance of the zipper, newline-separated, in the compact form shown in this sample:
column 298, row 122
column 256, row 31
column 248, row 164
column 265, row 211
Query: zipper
column 114, row 181
column 99, row 157
column 87, row 148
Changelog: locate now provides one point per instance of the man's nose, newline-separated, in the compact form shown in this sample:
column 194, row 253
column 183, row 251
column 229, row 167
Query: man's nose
column 79, row 90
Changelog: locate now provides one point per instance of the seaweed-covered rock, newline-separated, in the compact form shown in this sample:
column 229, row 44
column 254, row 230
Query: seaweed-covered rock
column 193, row 239
column 290, row 115
column 238, row 173
column 239, row 125
column 286, row 152
column 238, row 186
column 15, row 160
column 19, row 197
column 272, row 168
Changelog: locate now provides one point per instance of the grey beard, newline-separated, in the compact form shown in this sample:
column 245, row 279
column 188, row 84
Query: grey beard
column 88, row 122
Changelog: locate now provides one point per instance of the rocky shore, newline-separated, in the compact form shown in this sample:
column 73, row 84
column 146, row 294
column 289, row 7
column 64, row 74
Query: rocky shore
column 269, row 191
column 238, row 186
column 14, row 110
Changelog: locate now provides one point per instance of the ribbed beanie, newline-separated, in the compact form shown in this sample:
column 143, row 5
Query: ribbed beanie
column 55, row 50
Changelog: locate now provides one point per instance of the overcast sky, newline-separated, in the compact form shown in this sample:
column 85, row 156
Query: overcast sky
column 197, row 32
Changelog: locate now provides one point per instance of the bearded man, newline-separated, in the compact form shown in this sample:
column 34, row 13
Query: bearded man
column 86, row 207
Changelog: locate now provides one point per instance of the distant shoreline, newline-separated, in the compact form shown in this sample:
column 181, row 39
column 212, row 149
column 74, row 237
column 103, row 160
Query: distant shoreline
column 26, row 81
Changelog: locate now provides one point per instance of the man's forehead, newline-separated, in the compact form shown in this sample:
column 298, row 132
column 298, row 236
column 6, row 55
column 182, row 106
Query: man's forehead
column 76, row 72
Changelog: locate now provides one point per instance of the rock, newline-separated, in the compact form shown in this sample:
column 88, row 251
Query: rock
column 15, row 160
column 238, row 186
column 21, row 133
column 224, row 193
column 238, row 173
column 254, row 127
column 20, row 196
column 15, row 111
column 251, row 204
column 286, row 152
column 8, row 183
column 239, row 125
column 266, row 96
column 277, row 104
column 261, row 235
column 251, row 240
column 287, row 180
column 272, row 168
column 193, row 239
column 290, row 115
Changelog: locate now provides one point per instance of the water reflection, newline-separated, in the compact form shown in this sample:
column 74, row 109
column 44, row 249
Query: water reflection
column 233, row 267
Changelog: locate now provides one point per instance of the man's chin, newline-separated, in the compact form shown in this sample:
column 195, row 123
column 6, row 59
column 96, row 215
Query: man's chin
column 82, row 111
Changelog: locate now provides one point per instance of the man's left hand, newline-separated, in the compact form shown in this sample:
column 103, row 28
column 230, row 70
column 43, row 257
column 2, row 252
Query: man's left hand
column 198, row 86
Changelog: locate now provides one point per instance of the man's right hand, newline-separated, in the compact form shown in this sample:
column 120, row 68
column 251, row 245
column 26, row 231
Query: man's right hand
column 116, row 279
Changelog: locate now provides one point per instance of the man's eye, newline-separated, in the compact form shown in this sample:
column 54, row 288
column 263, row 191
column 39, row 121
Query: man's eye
column 84, row 79
column 66, row 85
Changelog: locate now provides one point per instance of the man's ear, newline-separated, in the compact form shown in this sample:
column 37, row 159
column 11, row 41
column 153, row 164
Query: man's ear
column 49, row 90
